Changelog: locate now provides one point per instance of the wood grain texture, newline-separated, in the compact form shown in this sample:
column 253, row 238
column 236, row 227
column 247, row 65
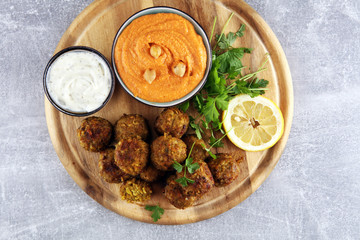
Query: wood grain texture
column 96, row 27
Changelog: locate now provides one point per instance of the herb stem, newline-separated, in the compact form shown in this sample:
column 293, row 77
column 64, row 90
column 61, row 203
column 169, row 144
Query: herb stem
column 186, row 165
column 258, row 88
column 188, row 158
column 224, row 118
column 267, row 59
column 250, row 75
column 185, row 171
column 222, row 32
column 220, row 138
column 244, row 78
column 212, row 145
column 212, row 30
column 191, row 150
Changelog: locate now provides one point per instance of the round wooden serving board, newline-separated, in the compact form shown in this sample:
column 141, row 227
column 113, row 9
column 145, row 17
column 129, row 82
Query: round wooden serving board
column 96, row 27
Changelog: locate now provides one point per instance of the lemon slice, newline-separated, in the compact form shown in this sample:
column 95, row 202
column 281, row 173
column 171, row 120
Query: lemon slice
column 254, row 124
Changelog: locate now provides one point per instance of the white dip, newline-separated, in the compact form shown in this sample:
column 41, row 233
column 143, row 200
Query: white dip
column 79, row 81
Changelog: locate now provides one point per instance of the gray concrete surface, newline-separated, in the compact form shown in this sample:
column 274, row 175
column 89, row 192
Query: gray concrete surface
column 313, row 193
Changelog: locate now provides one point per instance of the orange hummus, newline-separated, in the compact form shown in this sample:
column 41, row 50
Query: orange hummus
column 179, row 43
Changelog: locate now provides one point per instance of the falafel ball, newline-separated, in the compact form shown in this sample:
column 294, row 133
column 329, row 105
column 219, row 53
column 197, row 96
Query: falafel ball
column 165, row 150
column 131, row 155
column 173, row 121
column 131, row 126
column 198, row 153
column 108, row 169
column 151, row 174
column 224, row 168
column 203, row 181
column 95, row 133
column 174, row 193
column 135, row 190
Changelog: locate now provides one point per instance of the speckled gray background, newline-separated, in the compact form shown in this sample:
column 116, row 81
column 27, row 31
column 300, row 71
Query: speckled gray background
column 313, row 193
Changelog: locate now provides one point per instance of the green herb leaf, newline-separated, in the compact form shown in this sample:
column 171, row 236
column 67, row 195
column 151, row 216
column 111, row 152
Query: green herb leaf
column 193, row 167
column 188, row 161
column 198, row 102
column 190, row 180
column 184, row 106
column 196, row 128
column 227, row 41
column 216, row 125
column 157, row 212
column 177, row 166
column 210, row 112
column 214, row 143
column 230, row 60
column 212, row 155
column 259, row 83
column 198, row 132
column 215, row 84
column 183, row 181
column 208, row 151
column 222, row 101
column 253, row 88
column 205, row 124
column 241, row 30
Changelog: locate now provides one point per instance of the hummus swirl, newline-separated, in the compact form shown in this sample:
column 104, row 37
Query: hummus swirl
column 179, row 43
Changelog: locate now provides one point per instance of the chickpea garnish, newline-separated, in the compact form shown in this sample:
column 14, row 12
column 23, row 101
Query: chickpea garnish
column 155, row 51
column 179, row 69
column 149, row 75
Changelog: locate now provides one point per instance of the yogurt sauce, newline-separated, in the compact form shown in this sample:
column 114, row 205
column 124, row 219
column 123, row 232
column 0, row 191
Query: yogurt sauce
column 79, row 81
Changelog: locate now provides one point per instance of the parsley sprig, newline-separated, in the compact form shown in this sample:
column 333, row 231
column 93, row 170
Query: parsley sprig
column 157, row 211
column 189, row 166
column 215, row 143
column 225, row 80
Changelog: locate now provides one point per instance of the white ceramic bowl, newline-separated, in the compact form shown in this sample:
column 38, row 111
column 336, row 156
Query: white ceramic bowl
column 84, row 49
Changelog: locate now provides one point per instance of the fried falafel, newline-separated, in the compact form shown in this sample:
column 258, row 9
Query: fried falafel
column 108, row 169
column 174, row 193
column 172, row 121
column 198, row 153
column 185, row 196
column 132, row 125
column 150, row 173
column 225, row 169
column 165, row 150
column 135, row 190
column 203, row 181
column 131, row 155
column 95, row 133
